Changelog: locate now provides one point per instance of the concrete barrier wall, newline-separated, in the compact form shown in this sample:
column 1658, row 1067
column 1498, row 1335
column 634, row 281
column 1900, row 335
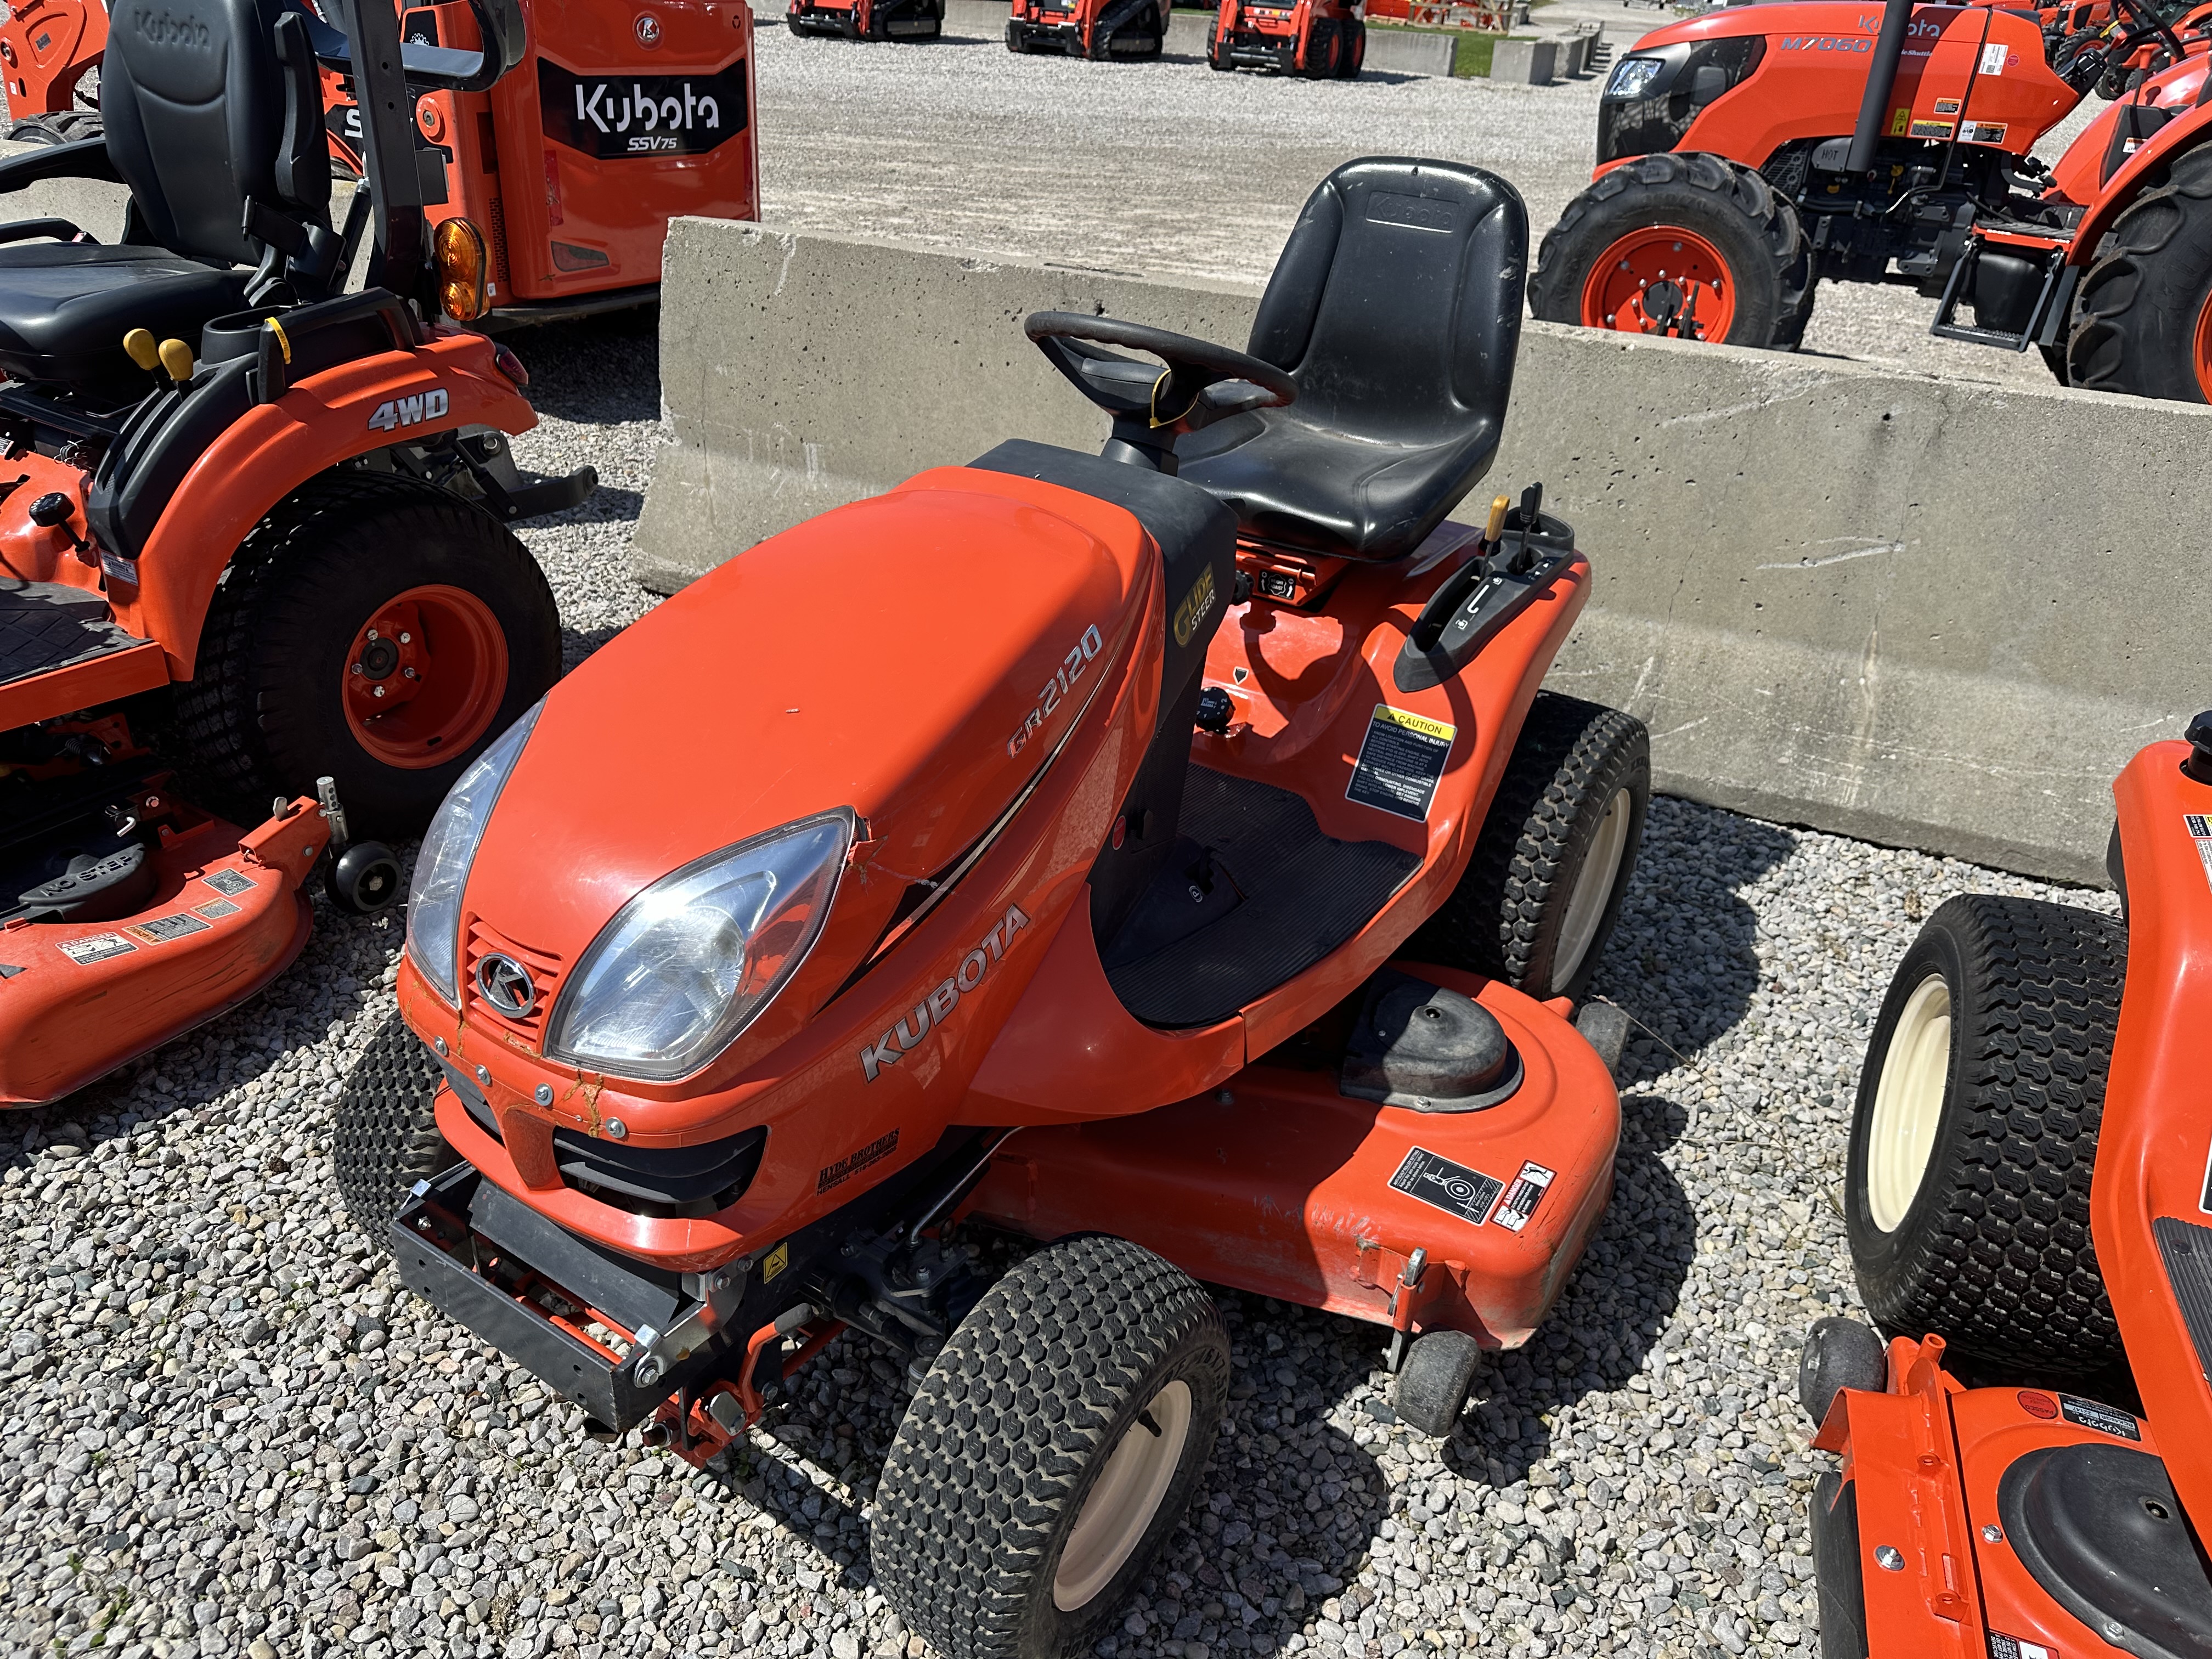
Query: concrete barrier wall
column 1929, row 613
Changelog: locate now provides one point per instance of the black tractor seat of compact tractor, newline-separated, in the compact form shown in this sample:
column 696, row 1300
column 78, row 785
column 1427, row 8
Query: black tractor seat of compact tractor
column 1395, row 310
column 215, row 125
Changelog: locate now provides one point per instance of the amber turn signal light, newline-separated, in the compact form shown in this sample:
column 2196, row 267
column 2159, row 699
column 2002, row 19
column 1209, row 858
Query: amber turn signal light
column 458, row 247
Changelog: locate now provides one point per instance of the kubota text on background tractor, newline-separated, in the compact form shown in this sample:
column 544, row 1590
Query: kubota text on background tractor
column 1212, row 903
column 1321, row 39
column 1088, row 28
column 616, row 121
column 2029, row 1194
column 252, row 527
column 1747, row 153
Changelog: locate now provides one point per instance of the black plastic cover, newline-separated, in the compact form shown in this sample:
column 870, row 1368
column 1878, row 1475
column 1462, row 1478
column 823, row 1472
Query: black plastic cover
column 1429, row 1049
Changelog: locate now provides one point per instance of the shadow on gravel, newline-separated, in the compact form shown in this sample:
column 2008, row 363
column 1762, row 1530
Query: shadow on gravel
column 1608, row 1320
column 595, row 369
column 1683, row 958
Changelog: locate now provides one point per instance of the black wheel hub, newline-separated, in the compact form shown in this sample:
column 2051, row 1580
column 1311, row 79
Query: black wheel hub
column 379, row 659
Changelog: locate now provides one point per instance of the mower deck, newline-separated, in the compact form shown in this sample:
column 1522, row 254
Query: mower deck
column 2022, row 1521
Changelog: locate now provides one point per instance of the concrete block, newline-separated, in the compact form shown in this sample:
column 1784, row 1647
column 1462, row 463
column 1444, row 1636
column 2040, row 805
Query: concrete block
column 1190, row 33
column 1524, row 63
column 1409, row 52
column 1574, row 54
column 1833, row 589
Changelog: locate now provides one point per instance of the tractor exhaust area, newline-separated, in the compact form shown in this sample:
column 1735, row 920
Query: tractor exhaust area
column 231, row 1429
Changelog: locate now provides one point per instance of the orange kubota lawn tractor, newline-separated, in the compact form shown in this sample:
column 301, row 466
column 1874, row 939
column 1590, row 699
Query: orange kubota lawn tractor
column 1213, row 903
column 252, row 527
column 1745, row 153
column 1088, row 28
column 2029, row 1197
column 1321, row 39
column 617, row 120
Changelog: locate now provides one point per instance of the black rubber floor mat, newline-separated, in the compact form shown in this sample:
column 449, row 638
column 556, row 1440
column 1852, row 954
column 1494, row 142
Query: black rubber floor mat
column 1304, row 894
column 48, row 625
column 2187, row 1248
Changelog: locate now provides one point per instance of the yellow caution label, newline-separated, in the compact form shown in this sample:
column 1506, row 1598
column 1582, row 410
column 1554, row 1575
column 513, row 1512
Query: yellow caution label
column 1412, row 722
column 778, row 1260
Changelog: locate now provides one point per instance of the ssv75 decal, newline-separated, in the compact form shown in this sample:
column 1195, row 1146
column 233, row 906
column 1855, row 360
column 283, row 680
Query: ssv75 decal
column 608, row 116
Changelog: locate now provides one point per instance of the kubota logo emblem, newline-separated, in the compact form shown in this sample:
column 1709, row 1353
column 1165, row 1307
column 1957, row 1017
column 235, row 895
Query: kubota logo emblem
column 395, row 412
column 506, row 984
column 166, row 29
column 931, row 1012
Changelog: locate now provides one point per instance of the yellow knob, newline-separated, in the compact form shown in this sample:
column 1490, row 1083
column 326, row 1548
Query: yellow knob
column 140, row 344
column 1497, row 523
column 177, row 358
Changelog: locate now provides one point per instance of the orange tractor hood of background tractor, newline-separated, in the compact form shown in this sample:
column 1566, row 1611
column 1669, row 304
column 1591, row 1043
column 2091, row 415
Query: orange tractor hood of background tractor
column 913, row 657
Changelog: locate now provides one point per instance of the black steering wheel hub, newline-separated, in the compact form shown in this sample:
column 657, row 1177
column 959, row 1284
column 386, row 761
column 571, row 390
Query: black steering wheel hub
column 1153, row 405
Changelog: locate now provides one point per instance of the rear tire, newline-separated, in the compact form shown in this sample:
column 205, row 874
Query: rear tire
column 267, row 712
column 1324, row 51
column 1544, row 885
column 1731, row 208
column 2143, row 322
column 1354, row 56
column 1024, row 1476
column 1967, row 1197
column 386, row 1135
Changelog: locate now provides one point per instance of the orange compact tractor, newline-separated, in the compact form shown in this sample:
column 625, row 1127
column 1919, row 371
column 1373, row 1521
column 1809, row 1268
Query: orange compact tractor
column 1212, row 904
column 46, row 49
column 2030, row 1193
column 1322, row 40
column 1745, row 154
column 1089, row 29
column 616, row 120
column 251, row 527
column 869, row 20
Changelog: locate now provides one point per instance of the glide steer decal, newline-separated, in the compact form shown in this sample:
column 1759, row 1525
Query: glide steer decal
column 911, row 1033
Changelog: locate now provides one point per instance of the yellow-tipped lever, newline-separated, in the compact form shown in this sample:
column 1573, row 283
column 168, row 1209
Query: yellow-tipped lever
column 177, row 358
column 1496, row 527
column 140, row 346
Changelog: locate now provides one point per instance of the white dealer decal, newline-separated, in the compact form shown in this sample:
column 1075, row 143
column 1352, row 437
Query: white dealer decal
column 395, row 412
column 930, row 1013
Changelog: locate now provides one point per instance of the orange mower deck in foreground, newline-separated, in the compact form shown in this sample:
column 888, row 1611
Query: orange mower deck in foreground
column 2037, row 1519
column 1211, row 903
column 252, row 535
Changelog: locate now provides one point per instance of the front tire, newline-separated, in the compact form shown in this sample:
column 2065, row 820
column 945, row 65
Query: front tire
column 1544, row 885
column 1689, row 245
column 1354, row 56
column 1050, row 1450
column 385, row 1136
column 1966, row 1196
column 331, row 583
column 2143, row 323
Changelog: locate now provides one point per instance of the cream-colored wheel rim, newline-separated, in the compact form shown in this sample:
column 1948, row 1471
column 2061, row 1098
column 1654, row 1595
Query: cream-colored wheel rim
column 1593, row 887
column 1124, row 1499
column 1908, row 1102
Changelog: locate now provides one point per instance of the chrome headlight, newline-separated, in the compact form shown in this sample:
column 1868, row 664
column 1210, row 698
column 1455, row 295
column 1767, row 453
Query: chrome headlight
column 1631, row 75
column 685, row 965
column 449, row 847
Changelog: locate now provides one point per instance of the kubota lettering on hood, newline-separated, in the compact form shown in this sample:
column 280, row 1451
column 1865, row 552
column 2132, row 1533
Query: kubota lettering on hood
column 928, row 1014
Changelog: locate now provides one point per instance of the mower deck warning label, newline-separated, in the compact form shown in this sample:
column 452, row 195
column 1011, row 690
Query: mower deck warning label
column 1400, row 760
column 1522, row 1197
column 2199, row 826
column 2105, row 1419
column 95, row 947
column 162, row 929
column 2018, row 1647
column 229, row 883
column 1452, row 1188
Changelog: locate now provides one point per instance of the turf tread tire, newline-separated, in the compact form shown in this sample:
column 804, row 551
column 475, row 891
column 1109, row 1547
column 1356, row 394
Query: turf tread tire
column 1754, row 226
column 2134, row 319
column 385, row 1136
column 1995, row 1253
column 985, row 1476
column 1502, row 919
column 252, row 721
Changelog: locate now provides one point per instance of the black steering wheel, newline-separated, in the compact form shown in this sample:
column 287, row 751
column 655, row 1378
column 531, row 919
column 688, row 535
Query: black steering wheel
column 1153, row 406
column 2150, row 23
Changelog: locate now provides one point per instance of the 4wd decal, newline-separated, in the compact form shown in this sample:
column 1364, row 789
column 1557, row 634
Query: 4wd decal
column 611, row 115
column 395, row 412
column 911, row 1033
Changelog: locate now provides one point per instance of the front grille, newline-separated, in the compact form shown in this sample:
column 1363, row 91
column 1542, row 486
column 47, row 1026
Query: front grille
column 661, row 1181
column 544, row 969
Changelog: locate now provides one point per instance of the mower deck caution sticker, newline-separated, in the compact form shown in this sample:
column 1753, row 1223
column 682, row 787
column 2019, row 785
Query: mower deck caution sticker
column 1452, row 1188
column 216, row 909
column 229, row 883
column 2018, row 1647
column 1402, row 759
column 2105, row 1419
column 162, row 929
column 2200, row 831
column 1522, row 1197
column 95, row 947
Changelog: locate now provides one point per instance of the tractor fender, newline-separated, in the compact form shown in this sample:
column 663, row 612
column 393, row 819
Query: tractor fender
column 2185, row 132
column 332, row 418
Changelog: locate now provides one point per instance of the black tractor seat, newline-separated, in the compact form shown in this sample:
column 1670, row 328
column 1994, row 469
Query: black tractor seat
column 1396, row 308
column 65, row 307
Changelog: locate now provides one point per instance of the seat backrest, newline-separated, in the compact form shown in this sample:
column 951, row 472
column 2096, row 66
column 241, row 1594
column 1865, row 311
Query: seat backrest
column 194, row 101
column 1396, row 304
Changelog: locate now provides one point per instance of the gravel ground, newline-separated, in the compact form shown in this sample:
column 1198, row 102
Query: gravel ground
column 229, row 1430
